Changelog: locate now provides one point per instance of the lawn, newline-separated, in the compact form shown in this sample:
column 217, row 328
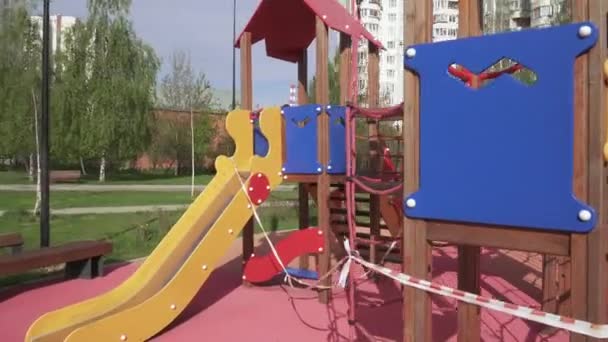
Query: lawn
column 133, row 235
column 24, row 200
column 123, row 177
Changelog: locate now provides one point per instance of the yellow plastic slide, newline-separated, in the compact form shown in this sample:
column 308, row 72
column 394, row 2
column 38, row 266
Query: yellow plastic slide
column 173, row 273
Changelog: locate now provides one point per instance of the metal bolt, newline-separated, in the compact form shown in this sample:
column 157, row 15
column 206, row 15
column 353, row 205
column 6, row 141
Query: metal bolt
column 328, row 106
column 248, row 206
column 259, row 175
column 318, row 109
column 267, row 187
column 250, row 188
column 584, row 215
column 205, row 267
column 324, row 17
column 123, row 337
column 329, row 167
column 252, row 255
column 320, row 232
column 173, row 307
column 259, row 201
column 585, row 31
column 410, row 53
column 319, row 169
column 283, row 169
column 320, row 249
column 411, row 203
column 230, row 231
column 285, row 177
column 282, row 112
column 244, row 278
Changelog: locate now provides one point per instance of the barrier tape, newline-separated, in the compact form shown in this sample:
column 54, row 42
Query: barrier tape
column 566, row 323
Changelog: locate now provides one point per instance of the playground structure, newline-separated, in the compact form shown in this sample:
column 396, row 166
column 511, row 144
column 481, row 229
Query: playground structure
column 461, row 181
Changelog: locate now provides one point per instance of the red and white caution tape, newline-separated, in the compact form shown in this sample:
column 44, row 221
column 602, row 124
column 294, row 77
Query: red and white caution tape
column 566, row 323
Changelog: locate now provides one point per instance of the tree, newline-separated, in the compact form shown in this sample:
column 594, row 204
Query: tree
column 185, row 89
column 333, row 72
column 19, row 76
column 107, row 82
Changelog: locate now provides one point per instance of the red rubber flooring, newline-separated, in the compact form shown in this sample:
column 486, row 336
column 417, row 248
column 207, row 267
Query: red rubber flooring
column 225, row 311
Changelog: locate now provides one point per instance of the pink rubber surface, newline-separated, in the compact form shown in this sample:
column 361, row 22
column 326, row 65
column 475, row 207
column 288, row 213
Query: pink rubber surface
column 261, row 268
column 225, row 311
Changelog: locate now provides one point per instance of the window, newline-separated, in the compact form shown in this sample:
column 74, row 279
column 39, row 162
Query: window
column 392, row 3
column 390, row 73
column 390, row 44
column 392, row 17
column 390, row 60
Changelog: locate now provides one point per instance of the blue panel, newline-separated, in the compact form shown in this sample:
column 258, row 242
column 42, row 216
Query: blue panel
column 302, row 273
column 501, row 154
column 337, row 140
column 301, row 139
column 260, row 143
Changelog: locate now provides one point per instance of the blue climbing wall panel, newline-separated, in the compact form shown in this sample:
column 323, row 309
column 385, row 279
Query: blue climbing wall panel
column 337, row 140
column 301, row 139
column 501, row 154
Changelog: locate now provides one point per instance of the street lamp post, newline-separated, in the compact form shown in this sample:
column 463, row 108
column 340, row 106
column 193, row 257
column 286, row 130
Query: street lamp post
column 44, row 131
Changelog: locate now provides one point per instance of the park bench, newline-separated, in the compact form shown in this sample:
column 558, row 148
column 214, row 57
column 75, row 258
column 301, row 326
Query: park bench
column 64, row 176
column 83, row 259
column 14, row 241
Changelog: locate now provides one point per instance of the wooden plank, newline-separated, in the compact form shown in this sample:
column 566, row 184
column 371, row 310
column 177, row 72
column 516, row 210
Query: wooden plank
column 247, row 103
column 322, row 97
column 416, row 250
column 469, row 257
column 30, row 260
column 11, row 240
column 500, row 237
column 373, row 95
column 597, row 269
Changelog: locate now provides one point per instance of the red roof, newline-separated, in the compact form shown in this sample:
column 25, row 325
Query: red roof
column 288, row 26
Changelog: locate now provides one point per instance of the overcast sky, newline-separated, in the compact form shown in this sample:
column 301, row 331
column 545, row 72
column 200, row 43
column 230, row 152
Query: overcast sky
column 204, row 28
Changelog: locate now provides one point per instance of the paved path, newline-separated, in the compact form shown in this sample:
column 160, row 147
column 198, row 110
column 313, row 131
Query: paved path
column 143, row 208
column 118, row 187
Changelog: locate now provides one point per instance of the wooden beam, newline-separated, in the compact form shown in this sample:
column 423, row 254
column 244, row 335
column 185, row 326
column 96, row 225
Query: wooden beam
column 416, row 249
column 500, row 237
column 322, row 97
column 373, row 76
column 597, row 264
column 303, row 208
column 469, row 257
column 247, row 103
column 578, row 262
column 344, row 67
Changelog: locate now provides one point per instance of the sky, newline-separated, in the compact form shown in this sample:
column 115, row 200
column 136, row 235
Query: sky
column 204, row 29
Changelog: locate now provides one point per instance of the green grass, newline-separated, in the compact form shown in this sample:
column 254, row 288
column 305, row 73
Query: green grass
column 133, row 235
column 123, row 177
column 24, row 200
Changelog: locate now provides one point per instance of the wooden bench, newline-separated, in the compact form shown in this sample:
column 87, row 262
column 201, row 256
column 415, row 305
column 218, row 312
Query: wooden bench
column 83, row 259
column 64, row 176
column 14, row 241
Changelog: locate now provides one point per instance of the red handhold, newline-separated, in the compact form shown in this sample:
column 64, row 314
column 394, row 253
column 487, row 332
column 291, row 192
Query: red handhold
column 259, row 188
column 300, row 242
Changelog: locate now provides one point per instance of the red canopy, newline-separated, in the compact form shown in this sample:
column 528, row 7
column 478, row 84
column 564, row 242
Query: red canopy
column 288, row 26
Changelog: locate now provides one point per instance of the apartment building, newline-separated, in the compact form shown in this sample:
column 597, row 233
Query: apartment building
column 59, row 26
column 445, row 20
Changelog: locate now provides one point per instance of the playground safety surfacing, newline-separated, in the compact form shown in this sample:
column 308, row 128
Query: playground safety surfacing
column 224, row 310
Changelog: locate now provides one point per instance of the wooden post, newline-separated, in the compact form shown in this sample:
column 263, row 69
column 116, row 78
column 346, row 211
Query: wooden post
column 597, row 269
column 375, row 146
column 345, row 59
column 246, row 103
column 322, row 96
column 469, row 277
column 416, row 249
column 303, row 188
